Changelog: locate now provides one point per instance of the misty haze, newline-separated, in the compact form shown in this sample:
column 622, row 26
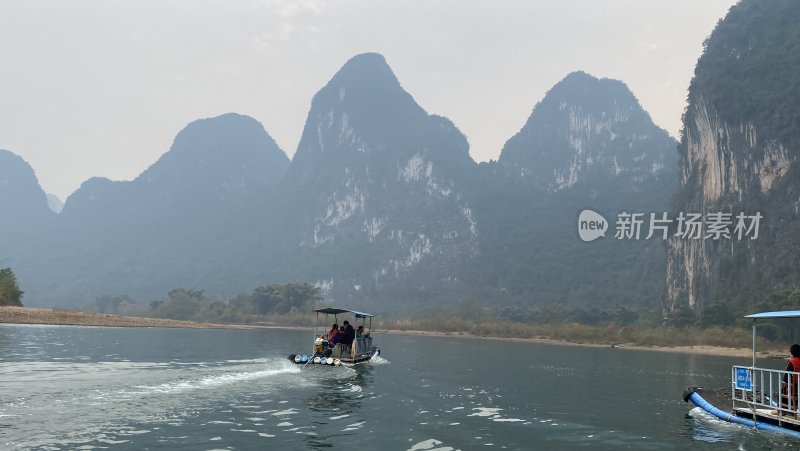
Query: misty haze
column 212, row 187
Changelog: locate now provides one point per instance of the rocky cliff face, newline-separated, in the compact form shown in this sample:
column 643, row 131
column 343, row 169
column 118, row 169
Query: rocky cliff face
column 738, row 155
column 725, row 168
column 376, row 188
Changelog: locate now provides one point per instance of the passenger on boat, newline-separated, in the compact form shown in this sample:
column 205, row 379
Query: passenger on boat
column 332, row 333
column 360, row 332
column 793, row 364
column 349, row 337
column 348, row 329
column 349, row 334
column 360, row 343
column 335, row 343
column 334, row 338
column 789, row 390
column 319, row 345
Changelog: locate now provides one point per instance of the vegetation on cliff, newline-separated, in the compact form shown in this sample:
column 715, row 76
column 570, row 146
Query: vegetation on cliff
column 748, row 71
column 739, row 154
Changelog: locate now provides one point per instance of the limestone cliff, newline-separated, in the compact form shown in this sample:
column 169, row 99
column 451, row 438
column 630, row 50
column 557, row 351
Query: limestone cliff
column 738, row 155
column 375, row 193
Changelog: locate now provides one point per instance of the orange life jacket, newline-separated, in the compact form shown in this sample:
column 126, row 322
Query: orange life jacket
column 795, row 361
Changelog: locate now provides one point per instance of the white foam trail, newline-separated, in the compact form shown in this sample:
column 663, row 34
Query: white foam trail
column 213, row 381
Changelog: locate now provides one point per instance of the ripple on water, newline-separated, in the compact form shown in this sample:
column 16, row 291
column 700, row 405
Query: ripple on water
column 431, row 445
column 354, row 426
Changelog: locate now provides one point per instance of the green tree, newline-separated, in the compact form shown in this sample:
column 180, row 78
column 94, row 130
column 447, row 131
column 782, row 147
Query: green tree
column 785, row 330
column 284, row 298
column 684, row 317
column 180, row 304
column 717, row 314
column 10, row 294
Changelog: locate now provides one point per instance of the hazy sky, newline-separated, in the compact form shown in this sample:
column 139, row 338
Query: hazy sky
column 101, row 87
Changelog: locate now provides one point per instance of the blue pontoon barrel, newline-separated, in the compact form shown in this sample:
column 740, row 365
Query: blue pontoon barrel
column 700, row 402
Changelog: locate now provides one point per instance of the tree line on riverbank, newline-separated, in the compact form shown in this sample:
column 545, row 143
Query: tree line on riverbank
column 292, row 304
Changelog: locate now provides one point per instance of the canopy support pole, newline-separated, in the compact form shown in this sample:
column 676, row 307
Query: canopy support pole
column 754, row 342
column 753, row 377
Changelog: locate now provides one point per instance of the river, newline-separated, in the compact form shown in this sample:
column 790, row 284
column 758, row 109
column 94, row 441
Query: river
column 64, row 387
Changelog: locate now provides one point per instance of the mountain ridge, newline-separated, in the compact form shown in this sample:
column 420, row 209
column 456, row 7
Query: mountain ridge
column 381, row 206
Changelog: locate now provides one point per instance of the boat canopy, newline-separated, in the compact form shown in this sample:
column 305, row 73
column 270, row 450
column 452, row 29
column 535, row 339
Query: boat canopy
column 338, row 311
column 781, row 314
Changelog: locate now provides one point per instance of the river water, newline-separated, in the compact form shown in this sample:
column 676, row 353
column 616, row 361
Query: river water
column 65, row 387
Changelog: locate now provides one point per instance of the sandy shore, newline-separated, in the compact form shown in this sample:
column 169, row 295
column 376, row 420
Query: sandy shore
column 698, row 349
column 26, row 315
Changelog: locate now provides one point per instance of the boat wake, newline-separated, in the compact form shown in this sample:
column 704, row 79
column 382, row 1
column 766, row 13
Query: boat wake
column 378, row 360
column 223, row 376
column 112, row 400
column 708, row 428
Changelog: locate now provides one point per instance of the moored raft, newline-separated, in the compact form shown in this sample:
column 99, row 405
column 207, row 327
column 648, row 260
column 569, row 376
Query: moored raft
column 760, row 398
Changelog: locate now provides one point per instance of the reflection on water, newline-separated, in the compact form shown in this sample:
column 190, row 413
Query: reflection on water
column 341, row 396
column 4, row 341
column 338, row 400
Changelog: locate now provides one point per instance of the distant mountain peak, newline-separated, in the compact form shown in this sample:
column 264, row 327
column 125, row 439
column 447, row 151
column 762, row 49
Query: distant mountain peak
column 363, row 109
column 366, row 86
column 366, row 67
column 213, row 161
column 582, row 88
column 20, row 193
column 214, row 134
column 230, row 148
column 587, row 128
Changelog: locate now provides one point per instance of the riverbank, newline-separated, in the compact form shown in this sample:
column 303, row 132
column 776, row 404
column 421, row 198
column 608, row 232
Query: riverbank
column 694, row 349
column 27, row 315
column 45, row 316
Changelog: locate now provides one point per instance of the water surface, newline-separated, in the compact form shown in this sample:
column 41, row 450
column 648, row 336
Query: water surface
column 65, row 387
